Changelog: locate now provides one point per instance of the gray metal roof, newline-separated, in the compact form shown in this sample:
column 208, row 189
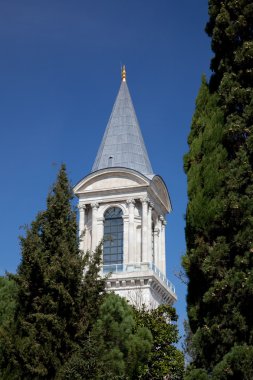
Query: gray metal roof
column 122, row 144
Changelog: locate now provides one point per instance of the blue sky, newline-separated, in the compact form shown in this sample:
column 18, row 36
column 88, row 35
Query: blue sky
column 59, row 77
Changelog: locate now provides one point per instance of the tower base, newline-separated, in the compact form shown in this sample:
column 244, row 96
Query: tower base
column 141, row 284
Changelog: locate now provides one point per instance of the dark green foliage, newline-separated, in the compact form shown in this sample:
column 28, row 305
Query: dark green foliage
column 123, row 347
column 197, row 374
column 8, row 290
column 57, row 322
column 230, row 27
column 51, row 317
column 206, row 259
column 219, row 220
column 236, row 365
column 165, row 359
column 115, row 349
column 7, row 300
column 92, row 292
column 48, row 282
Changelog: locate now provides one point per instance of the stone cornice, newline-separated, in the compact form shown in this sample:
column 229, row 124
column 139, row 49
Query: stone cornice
column 152, row 282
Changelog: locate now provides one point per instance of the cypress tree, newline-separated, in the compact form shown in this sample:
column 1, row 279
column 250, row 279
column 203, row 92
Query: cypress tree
column 219, row 219
column 8, row 290
column 7, row 300
column 49, row 311
column 48, row 281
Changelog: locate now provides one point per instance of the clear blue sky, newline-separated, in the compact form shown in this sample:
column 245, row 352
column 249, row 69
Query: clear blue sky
column 59, row 76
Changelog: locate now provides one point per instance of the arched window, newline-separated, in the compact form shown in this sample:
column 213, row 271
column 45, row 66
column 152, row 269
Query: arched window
column 113, row 239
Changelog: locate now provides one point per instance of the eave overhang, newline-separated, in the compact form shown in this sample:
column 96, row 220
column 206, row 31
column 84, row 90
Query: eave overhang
column 154, row 184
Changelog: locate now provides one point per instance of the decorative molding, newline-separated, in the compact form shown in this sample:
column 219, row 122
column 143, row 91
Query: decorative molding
column 130, row 201
column 81, row 206
column 94, row 205
column 151, row 204
column 148, row 282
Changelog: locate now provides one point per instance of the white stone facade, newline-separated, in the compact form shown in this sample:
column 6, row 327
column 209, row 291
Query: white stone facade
column 144, row 201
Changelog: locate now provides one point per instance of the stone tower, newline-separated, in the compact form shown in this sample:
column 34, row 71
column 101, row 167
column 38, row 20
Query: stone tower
column 123, row 203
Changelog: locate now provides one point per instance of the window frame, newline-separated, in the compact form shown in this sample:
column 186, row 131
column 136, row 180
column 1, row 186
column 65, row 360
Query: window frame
column 113, row 236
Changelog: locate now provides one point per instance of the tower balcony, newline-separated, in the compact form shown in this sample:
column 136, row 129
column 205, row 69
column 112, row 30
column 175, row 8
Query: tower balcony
column 140, row 283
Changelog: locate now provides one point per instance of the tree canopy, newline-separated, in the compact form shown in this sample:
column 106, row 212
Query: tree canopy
column 56, row 320
column 115, row 346
column 165, row 358
column 219, row 219
column 49, row 318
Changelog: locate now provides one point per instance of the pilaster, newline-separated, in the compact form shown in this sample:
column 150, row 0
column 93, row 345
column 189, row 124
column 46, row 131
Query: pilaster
column 144, row 230
column 82, row 222
column 125, row 238
column 150, row 232
column 131, row 234
column 81, row 208
column 156, row 246
column 94, row 207
column 159, row 251
column 163, row 253
column 100, row 229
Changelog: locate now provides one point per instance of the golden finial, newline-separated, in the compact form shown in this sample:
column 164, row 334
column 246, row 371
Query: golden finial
column 123, row 73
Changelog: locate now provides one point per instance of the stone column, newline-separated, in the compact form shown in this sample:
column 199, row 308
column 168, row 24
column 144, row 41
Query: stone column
column 131, row 239
column 159, row 256
column 100, row 229
column 125, row 239
column 94, row 207
column 144, row 230
column 150, row 232
column 156, row 246
column 82, row 221
column 163, row 252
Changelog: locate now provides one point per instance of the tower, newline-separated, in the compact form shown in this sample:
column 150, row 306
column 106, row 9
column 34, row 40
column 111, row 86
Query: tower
column 123, row 203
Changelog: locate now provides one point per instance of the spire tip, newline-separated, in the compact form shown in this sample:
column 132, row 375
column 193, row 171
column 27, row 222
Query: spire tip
column 123, row 73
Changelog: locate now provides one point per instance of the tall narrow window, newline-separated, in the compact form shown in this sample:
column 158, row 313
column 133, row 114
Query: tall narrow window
column 113, row 239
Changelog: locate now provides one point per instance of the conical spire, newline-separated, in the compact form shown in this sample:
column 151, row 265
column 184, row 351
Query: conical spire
column 122, row 144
